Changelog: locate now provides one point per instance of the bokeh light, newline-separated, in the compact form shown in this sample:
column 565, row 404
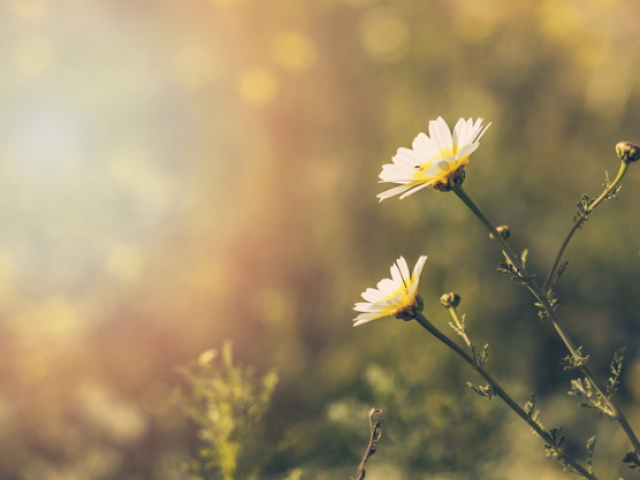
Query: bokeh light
column 175, row 174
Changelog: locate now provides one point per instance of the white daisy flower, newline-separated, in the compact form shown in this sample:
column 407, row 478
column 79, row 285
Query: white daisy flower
column 434, row 161
column 396, row 296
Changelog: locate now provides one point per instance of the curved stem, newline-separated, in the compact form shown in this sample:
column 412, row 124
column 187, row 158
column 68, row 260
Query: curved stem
column 611, row 188
column 376, row 433
column 499, row 392
column 541, row 297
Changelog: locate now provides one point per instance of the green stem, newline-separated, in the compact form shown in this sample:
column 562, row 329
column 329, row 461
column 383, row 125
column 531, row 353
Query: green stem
column 541, row 297
column 454, row 314
column 499, row 392
column 485, row 221
column 611, row 188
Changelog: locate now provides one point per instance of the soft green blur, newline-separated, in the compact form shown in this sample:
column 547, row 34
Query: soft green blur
column 178, row 173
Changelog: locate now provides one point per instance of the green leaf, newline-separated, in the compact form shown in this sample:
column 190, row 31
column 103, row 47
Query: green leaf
column 591, row 445
column 480, row 357
column 486, row 391
column 523, row 257
column 632, row 459
column 530, row 406
column 556, row 277
column 581, row 215
column 582, row 389
column 616, row 370
column 575, row 361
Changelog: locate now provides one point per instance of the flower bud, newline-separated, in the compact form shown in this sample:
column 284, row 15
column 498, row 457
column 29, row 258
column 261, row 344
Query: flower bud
column 450, row 299
column 628, row 152
column 410, row 312
column 504, row 231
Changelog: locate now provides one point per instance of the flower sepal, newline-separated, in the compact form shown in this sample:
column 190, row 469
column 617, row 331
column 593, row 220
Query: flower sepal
column 411, row 311
column 450, row 182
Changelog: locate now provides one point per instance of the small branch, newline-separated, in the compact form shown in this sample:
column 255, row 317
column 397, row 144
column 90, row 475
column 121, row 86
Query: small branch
column 460, row 328
column 376, row 433
column 607, row 193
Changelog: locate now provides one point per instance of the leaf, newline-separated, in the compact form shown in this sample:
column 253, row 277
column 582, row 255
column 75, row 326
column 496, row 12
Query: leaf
column 583, row 206
column 575, row 361
column 523, row 257
column 582, row 389
column 591, row 445
column 530, row 405
column 556, row 277
column 632, row 459
column 486, row 391
column 616, row 370
column 480, row 357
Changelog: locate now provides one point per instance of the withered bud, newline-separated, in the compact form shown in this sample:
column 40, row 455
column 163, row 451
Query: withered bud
column 628, row 152
column 450, row 299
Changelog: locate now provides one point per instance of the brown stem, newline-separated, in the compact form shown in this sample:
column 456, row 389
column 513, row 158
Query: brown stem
column 376, row 433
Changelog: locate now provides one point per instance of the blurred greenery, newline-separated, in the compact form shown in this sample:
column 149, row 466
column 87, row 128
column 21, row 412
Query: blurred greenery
column 227, row 403
column 180, row 173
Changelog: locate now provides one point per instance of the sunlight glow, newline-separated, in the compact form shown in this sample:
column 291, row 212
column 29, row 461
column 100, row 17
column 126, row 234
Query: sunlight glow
column 45, row 137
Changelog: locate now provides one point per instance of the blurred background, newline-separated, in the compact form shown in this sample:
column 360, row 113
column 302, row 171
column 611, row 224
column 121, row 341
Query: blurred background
column 178, row 173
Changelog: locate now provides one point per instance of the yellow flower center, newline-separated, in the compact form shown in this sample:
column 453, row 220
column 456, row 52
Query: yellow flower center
column 447, row 168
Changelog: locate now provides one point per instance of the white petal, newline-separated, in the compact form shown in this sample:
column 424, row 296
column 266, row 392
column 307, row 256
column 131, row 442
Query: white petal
column 459, row 132
column 370, row 307
column 415, row 188
column 438, row 167
column 396, row 276
column 404, row 269
column 387, row 286
column 481, row 133
column 364, row 318
column 440, row 133
column 467, row 150
column 408, row 157
column 393, row 192
column 397, row 174
column 372, row 295
column 417, row 269
column 422, row 144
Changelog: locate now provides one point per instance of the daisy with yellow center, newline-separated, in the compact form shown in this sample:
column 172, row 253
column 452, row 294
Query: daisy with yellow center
column 396, row 296
column 434, row 161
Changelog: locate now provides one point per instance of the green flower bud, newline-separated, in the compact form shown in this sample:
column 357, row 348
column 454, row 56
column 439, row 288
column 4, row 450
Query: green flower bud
column 412, row 311
column 450, row 299
column 628, row 152
column 504, row 231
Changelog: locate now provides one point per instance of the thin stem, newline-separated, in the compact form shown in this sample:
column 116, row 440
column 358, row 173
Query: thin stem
column 586, row 370
column 541, row 297
column 485, row 221
column 376, row 433
column 611, row 188
column 499, row 392
column 463, row 334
